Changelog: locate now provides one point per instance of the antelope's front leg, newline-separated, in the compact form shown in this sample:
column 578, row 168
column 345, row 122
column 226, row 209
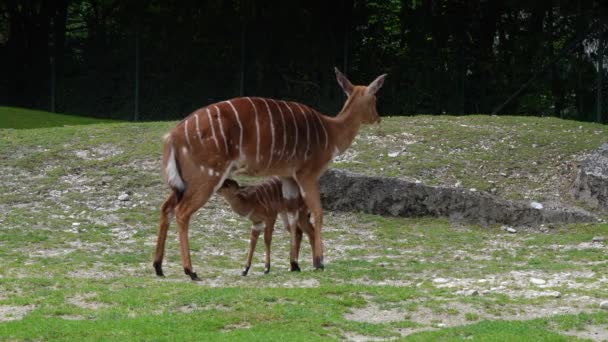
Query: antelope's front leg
column 309, row 187
column 253, row 240
column 268, row 241
column 292, row 218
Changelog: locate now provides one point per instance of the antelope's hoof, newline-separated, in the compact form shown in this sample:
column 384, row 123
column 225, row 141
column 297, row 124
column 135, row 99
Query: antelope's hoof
column 192, row 275
column 267, row 269
column 318, row 264
column 295, row 267
column 158, row 269
column 245, row 271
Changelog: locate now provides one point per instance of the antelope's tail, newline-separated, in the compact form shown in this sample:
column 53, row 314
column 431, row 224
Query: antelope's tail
column 171, row 168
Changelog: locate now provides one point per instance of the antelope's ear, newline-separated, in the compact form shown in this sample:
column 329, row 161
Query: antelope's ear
column 373, row 87
column 343, row 82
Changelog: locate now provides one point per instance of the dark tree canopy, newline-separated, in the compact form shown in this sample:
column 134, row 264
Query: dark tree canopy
column 158, row 59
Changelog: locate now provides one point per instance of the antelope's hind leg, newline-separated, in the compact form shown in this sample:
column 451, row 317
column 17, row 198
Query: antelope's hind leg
column 197, row 194
column 166, row 210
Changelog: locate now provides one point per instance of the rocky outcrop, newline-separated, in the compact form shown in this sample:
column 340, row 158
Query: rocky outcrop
column 591, row 184
column 345, row 191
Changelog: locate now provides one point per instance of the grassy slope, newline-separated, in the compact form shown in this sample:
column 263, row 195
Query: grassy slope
column 77, row 259
column 19, row 118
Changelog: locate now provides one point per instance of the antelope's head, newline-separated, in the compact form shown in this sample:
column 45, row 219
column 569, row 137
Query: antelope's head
column 229, row 187
column 361, row 98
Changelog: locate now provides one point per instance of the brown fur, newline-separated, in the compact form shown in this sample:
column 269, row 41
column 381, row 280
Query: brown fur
column 204, row 162
column 261, row 204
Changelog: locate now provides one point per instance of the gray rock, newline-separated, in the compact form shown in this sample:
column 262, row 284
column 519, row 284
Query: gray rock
column 472, row 293
column 123, row 197
column 536, row 205
column 440, row 280
column 598, row 239
column 591, row 184
column 345, row 191
column 538, row 281
column 604, row 305
column 511, row 230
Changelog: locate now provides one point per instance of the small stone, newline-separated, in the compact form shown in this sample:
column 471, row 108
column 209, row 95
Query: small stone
column 472, row 293
column 75, row 224
column 555, row 294
column 604, row 305
column 440, row 280
column 123, row 197
column 537, row 281
column 472, row 190
column 511, row 230
column 441, row 325
column 536, row 205
column 598, row 239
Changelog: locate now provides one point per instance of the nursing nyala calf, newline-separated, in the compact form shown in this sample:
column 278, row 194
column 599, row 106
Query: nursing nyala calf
column 261, row 204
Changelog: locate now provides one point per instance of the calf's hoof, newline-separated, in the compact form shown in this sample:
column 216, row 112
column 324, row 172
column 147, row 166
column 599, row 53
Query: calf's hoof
column 267, row 269
column 245, row 271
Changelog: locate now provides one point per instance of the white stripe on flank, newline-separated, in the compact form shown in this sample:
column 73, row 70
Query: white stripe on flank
column 262, row 190
column 227, row 172
column 271, row 194
column 198, row 131
column 296, row 133
column 186, row 133
column 236, row 114
column 257, row 131
column 217, row 109
column 307, row 131
column 284, row 129
column 271, row 133
column 318, row 116
column 217, row 144
column 260, row 200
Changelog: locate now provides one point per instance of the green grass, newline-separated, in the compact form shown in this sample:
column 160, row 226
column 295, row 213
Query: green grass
column 78, row 262
column 21, row 118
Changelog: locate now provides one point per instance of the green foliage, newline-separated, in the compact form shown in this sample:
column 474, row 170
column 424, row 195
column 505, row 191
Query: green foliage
column 442, row 56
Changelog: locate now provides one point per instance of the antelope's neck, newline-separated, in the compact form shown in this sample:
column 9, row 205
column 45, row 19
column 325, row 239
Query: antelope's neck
column 346, row 126
column 239, row 204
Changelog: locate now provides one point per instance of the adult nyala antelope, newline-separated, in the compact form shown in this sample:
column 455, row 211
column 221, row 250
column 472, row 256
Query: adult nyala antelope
column 258, row 137
column 262, row 204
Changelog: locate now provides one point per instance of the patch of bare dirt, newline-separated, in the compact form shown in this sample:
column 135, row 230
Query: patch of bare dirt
column 592, row 332
column 84, row 301
column 13, row 312
column 373, row 314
